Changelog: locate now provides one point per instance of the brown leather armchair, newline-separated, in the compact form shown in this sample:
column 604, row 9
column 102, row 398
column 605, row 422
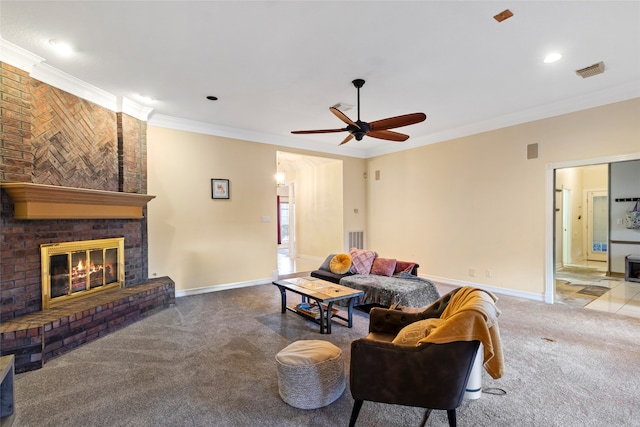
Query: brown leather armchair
column 427, row 375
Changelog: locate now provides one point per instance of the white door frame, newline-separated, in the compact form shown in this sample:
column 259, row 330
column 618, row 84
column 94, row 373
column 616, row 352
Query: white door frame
column 292, row 220
column 549, row 279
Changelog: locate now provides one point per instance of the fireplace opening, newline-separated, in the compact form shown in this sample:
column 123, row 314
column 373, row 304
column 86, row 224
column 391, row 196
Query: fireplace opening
column 76, row 269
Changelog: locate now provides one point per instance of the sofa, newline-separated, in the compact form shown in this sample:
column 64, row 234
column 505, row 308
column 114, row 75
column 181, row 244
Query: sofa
column 384, row 281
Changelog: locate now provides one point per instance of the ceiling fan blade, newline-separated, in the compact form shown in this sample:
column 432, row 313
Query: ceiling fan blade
column 342, row 116
column 347, row 139
column 388, row 135
column 302, row 132
column 398, row 121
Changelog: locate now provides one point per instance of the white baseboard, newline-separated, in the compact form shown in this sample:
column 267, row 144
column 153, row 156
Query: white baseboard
column 223, row 287
column 442, row 280
column 492, row 289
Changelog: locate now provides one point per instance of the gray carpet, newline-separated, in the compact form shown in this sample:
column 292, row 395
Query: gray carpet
column 210, row 362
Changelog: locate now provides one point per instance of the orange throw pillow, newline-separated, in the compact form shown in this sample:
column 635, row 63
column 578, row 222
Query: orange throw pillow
column 340, row 264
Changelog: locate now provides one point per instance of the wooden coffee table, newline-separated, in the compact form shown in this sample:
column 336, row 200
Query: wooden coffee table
column 324, row 294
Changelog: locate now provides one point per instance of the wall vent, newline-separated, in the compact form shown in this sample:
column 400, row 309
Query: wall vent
column 356, row 239
column 591, row 70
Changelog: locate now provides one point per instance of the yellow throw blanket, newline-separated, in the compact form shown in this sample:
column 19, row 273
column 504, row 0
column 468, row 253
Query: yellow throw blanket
column 472, row 315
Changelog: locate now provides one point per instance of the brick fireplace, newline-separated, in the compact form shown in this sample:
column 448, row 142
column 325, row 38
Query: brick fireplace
column 53, row 138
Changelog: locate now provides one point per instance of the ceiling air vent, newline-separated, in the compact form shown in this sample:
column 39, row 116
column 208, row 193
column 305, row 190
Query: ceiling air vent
column 591, row 70
column 342, row 106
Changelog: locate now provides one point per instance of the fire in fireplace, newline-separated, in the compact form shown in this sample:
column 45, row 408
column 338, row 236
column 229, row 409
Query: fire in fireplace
column 76, row 269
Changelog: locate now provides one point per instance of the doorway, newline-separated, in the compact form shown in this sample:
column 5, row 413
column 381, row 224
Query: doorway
column 582, row 222
column 306, row 197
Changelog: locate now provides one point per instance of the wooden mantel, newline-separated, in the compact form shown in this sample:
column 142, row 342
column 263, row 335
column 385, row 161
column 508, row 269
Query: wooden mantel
column 38, row 201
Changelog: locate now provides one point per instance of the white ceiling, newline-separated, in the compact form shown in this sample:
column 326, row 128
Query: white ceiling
column 277, row 66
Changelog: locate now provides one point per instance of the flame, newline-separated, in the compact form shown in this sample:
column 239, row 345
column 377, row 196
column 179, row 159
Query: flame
column 80, row 265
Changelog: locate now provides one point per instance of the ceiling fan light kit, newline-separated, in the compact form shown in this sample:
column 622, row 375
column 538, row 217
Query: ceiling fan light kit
column 378, row 129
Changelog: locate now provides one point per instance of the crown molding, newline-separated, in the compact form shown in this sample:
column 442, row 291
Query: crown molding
column 176, row 123
column 134, row 109
column 565, row 106
column 63, row 81
column 18, row 57
column 39, row 70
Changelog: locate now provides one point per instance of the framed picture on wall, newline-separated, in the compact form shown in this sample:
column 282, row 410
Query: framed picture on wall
column 219, row 188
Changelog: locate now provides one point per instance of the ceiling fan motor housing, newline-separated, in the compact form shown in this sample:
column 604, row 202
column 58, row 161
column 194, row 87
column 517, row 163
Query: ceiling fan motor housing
column 358, row 83
column 361, row 132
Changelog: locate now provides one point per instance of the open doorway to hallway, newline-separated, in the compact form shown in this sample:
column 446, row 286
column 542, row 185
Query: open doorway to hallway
column 623, row 177
column 582, row 224
column 309, row 210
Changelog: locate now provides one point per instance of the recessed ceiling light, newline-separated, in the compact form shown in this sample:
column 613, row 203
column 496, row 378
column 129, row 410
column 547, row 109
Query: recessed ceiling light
column 552, row 57
column 212, row 98
column 61, row 47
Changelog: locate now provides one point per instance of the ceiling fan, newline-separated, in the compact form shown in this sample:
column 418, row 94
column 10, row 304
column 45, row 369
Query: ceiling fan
column 378, row 129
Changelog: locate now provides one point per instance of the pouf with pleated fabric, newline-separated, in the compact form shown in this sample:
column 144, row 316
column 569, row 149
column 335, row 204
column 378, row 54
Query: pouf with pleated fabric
column 310, row 373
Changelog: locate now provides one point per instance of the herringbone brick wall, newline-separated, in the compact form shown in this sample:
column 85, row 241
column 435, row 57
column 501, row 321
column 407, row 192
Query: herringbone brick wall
column 15, row 125
column 132, row 143
column 74, row 141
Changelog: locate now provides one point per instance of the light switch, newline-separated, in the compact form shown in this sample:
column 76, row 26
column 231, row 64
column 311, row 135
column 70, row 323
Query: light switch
column 266, row 218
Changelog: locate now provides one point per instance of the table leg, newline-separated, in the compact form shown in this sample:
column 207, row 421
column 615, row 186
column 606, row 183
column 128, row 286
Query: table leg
column 322, row 319
column 283, row 298
column 329, row 314
column 350, row 312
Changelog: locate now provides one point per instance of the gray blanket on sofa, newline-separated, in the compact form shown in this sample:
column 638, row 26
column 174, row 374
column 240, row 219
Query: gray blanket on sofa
column 403, row 288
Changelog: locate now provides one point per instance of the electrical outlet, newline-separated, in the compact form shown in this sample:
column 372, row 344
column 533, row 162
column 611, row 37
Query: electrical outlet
column 488, row 273
column 472, row 272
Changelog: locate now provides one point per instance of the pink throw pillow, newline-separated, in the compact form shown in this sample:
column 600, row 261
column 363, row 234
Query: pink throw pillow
column 404, row 266
column 383, row 266
column 361, row 261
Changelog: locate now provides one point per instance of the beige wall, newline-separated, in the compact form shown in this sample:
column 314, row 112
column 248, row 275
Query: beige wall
column 476, row 205
column 319, row 210
column 200, row 242
column 196, row 240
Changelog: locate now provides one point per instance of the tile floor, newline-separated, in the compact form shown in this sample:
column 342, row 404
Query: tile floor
column 287, row 265
column 623, row 297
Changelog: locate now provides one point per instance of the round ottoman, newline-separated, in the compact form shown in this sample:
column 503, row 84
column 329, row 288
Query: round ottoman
column 310, row 373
